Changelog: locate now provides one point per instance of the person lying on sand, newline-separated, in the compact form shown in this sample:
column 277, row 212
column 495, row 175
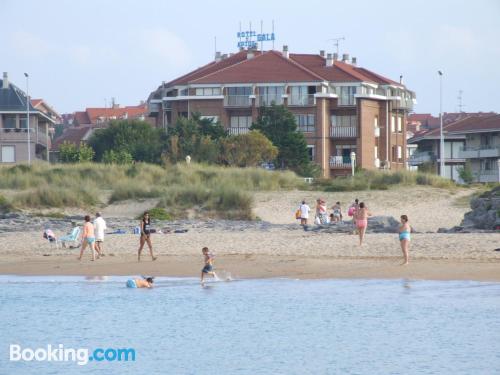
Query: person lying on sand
column 208, row 268
column 140, row 283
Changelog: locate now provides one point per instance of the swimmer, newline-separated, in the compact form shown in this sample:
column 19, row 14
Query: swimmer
column 208, row 268
column 140, row 283
column 404, row 238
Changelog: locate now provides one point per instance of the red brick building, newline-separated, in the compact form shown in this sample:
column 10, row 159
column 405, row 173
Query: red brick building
column 340, row 107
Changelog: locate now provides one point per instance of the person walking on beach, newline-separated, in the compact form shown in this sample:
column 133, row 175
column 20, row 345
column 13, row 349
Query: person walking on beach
column 208, row 269
column 145, row 236
column 304, row 212
column 88, row 238
column 352, row 212
column 362, row 221
column 100, row 227
column 404, row 238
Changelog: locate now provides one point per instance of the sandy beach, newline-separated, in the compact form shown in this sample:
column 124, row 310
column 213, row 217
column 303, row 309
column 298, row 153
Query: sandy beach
column 283, row 249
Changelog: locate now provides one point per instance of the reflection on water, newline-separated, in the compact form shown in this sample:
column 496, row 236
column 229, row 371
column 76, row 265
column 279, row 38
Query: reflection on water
column 277, row 326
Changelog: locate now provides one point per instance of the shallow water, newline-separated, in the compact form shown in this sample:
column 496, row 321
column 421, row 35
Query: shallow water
column 276, row 326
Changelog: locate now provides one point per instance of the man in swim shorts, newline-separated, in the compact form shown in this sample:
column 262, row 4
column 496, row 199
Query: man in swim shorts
column 208, row 268
column 140, row 283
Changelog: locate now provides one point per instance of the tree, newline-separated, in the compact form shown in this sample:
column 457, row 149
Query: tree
column 278, row 124
column 135, row 137
column 85, row 153
column 68, row 153
column 466, row 174
column 118, row 157
column 247, row 150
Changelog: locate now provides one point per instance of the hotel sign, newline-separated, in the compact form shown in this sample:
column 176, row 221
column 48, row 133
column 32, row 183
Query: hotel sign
column 250, row 39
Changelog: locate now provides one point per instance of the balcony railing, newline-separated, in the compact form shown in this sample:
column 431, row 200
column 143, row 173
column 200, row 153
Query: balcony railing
column 301, row 100
column 237, row 101
column 265, row 100
column 487, row 176
column 421, row 157
column 339, row 162
column 21, row 135
column 343, row 132
column 406, row 104
column 237, row 131
column 484, row 151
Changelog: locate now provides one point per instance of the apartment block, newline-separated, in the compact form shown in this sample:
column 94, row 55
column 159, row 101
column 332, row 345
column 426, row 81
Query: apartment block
column 339, row 106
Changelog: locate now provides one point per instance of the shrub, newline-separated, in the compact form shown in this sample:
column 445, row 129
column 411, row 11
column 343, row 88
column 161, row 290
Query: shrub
column 5, row 206
column 157, row 213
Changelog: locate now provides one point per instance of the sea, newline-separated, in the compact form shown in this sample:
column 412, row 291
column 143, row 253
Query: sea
column 81, row 325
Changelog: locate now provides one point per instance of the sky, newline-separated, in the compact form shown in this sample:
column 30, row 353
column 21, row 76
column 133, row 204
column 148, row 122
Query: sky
column 83, row 53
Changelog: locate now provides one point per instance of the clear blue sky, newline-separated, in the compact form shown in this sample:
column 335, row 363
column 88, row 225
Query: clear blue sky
column 78, row 53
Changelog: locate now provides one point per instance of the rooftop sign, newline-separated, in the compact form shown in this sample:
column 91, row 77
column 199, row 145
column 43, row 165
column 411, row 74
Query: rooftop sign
column 250, row 39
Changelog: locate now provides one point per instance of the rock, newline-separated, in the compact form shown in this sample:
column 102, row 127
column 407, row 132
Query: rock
column 485, row 212
column 376, row 224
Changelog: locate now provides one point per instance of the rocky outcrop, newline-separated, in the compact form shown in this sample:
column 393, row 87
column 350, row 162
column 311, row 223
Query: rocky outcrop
column 485, row 212
column 376, row 224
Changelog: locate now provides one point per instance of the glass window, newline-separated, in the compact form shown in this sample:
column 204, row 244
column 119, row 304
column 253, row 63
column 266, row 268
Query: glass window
column 375, row 122
column 269, row 94
column 239, row 91
column 400, row 126
column 311, row 152
column 208, row 91
column 241, row 121
column 400, row 152
column 347, row 95
column 8, row 154
column 376, row 152
column 393, row 124
column 9, row 122
column 306, row 122
column 349, row 121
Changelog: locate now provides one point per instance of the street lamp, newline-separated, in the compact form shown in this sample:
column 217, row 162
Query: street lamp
column 441, row 138
column 353, row 162
column 28, row 116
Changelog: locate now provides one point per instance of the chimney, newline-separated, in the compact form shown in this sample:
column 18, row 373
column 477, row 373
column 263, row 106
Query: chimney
column 401, row 79
column 354, row 61
column 218, row 56
column 329, row 60
column 322, row 53
column 5, row 84
column 345, row 58
column 285, row 52
column 250, row 54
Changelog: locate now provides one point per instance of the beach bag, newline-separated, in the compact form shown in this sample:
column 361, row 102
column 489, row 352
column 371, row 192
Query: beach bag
column 297, row 214
column 351, row 211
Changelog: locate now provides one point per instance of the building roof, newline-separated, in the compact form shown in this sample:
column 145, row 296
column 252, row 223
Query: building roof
column 118, row 112
column 73, row 135
column 270, row 66
column 13, row 99
column 489, row 123
column 81, row 118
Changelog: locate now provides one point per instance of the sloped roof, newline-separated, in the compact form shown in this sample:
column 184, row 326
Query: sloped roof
column 476, row 123
column 13, row 99
column 73, row 135
column 131, row 111
column 270, row 66
column 81, row 118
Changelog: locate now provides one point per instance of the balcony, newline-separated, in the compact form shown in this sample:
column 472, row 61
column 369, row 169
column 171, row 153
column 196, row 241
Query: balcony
column 266, row 100
column 21, row 135
column 237, row 101
column 422, row 157
column 237, row 131
column 343, row 132
column 487, row 176
column 301, row 100
column 485, row 151
column 406, row 104
column 340, row 162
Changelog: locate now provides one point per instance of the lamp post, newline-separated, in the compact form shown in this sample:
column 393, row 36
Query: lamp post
column 28, row 116
column 353, row 162
column 441, row 138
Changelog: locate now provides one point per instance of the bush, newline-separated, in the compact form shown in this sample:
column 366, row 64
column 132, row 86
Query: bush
column 5, row 206
column 466, row 174
column 157, row 213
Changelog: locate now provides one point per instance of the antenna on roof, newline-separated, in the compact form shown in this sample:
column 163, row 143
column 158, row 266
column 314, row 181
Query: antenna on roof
column 460, row 103
column 215, row 45
column 336, row 42
column 273, row 33
column 261, row 42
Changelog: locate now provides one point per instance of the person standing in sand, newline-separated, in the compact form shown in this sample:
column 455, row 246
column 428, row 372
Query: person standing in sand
column 304, row 213
column 361, row 217
column 145, row 236
column 88, row 238
column 100, row 227
column 208, row 269
column 336, row 213
column 404, row 238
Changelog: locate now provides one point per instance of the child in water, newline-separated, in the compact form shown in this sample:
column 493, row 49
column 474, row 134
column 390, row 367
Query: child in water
column 140, row 283
column 208, row 268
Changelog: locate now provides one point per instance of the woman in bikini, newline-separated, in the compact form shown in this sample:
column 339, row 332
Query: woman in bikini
column 362, row 221
column 404, row 238
column 88, row 238
column 145, row 236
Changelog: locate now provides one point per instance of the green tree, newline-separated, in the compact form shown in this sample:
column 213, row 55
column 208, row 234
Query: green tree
column 68, row 153
column 248, row 150
column 466, row 174
column 85, row 153
column 118, row 157
column 135, row 137
column 278, row 124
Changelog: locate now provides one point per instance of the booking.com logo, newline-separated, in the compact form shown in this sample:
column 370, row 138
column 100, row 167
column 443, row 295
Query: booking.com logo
column 82, row 356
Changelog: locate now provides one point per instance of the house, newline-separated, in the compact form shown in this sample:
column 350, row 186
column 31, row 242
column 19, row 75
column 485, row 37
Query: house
column 340, row 107
column 100, row 117
column 18, row 142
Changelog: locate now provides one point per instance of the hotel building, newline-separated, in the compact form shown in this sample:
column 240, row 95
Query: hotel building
column 340, row 107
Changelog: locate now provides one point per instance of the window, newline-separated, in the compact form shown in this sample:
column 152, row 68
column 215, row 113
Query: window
column 270, row 94
column 347, row 95
column 311, row 152
column 9, row 122
column 302, row 95
column 183, row 92
column 400, row 152
column 8, row 154
column 22, row 122
column 400, row 127
column 214, row 119
column 241, row 121
column 208, row 91
column 349, row 121
column 246, row 91
column 393, row 124
column 375, row 122
column 376, row 152
column 305, row 123
column 182, row 114
column 487, row 165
